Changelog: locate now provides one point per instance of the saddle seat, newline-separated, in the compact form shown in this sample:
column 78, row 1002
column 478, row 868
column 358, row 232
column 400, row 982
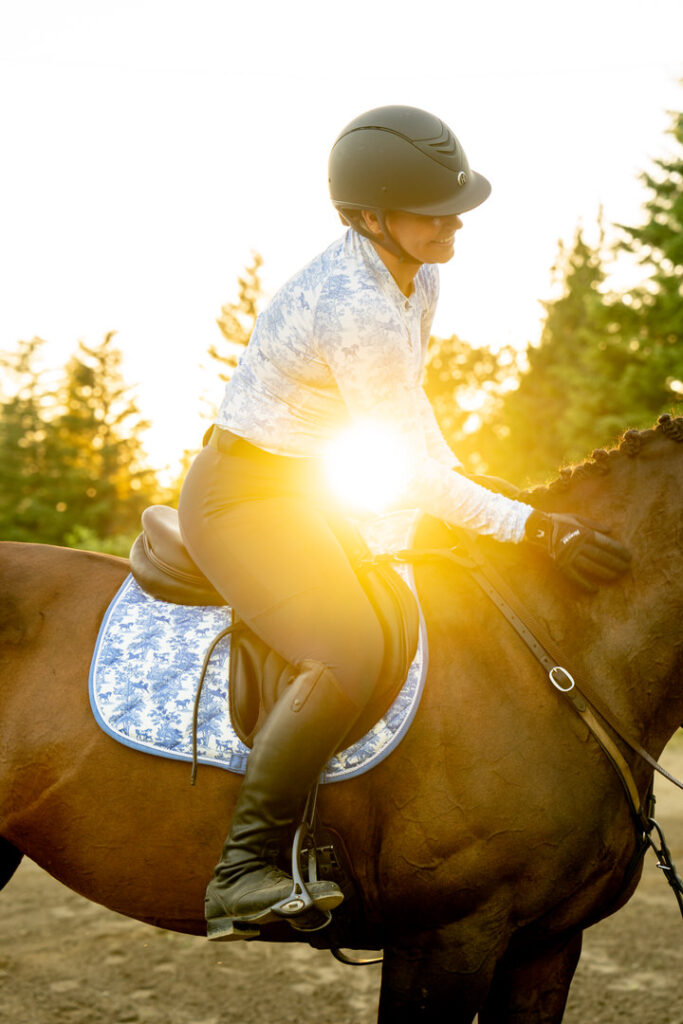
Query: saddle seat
column 162, row 567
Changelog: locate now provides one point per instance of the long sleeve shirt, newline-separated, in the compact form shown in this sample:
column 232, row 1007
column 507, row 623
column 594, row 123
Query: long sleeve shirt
column 341, row 343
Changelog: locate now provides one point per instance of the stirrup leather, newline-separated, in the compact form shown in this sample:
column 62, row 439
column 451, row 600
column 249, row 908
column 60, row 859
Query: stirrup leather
column 299, row 908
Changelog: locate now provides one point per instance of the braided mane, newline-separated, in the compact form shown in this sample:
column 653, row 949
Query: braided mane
column 601, row 460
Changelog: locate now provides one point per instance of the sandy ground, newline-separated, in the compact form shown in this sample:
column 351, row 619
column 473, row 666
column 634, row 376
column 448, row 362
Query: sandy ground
column 63, row 959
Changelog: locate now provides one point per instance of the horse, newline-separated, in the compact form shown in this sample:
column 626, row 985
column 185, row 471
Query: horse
column 488, row 840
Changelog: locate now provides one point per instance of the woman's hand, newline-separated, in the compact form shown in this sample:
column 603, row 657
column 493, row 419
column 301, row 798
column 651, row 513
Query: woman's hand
column 580, row 548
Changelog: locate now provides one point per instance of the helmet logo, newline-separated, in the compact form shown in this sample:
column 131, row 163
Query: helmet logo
column 462, row 178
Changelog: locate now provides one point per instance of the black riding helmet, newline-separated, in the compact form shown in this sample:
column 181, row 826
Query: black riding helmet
column 401, row 158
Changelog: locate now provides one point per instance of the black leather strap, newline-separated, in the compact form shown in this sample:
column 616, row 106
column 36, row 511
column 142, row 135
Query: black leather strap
column 537, row 632
column 584, row 701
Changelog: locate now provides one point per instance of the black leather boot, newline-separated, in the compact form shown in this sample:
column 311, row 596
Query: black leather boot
column 298, row 738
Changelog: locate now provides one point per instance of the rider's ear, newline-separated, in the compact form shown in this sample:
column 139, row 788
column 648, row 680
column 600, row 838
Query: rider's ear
column 371, row 221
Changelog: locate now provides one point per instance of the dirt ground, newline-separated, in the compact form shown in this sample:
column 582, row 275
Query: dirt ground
column 63, row 959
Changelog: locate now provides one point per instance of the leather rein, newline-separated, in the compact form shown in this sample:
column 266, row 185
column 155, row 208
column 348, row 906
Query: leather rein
column 584, row 701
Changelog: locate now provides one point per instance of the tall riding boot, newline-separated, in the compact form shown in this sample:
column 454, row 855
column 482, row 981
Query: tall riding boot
column 298, row 738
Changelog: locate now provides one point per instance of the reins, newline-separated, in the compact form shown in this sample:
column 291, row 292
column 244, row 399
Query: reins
column 582, row 700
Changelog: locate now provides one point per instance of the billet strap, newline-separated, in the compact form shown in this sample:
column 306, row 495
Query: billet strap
column 534, row 635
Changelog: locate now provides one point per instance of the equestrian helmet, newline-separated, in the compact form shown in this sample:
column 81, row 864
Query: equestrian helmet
column 402, row 158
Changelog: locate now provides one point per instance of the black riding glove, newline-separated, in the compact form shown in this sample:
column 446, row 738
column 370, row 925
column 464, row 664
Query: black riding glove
column 579, row 548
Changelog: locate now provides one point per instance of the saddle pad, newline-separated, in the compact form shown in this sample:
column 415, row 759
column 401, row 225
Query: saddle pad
column 147, row 664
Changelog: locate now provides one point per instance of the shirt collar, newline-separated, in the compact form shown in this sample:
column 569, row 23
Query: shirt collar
column 381, row 273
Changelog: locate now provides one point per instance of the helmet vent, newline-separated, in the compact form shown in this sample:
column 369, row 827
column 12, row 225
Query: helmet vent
column 444, row 143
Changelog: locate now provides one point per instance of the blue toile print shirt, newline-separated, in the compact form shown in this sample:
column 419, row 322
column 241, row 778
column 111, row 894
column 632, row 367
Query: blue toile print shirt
column 338, row 343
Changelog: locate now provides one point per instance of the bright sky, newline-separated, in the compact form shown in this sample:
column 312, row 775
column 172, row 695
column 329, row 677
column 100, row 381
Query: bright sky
column 150, row 145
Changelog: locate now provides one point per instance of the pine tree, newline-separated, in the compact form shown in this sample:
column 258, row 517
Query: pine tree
column 650, row 318
column 562, row 407
column 237, row 319
column 28, row 502
column 465, row 385
column 604, row 362
column 71, row 461
column 105, row 482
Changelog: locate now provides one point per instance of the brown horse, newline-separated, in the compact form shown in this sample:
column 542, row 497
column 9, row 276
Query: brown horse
column 482, row 846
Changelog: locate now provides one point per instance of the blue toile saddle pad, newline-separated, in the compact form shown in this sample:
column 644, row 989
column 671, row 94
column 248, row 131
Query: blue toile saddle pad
column 146, row 667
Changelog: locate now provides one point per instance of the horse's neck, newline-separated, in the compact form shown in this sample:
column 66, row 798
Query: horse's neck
column 626, row 639
column 618, row 642
column 619, row 647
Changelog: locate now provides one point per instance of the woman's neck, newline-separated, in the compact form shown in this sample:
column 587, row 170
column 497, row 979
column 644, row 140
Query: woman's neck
column 402, row 270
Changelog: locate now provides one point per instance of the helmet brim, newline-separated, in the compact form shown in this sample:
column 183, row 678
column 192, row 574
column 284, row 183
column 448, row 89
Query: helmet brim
column 472, row 194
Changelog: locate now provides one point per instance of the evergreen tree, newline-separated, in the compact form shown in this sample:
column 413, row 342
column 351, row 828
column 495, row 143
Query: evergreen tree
column 465, row 385
column 71, row 461
column 604, row 362
column 563, row 406
column 237, row 319
column 236, row 323
column 650, row 318
column 28, row 504
column 105, row 483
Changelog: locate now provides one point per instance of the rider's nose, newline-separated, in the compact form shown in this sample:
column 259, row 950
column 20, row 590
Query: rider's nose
column 452, row 221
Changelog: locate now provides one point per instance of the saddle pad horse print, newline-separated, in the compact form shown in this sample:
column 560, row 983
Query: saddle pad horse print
column 146, row 668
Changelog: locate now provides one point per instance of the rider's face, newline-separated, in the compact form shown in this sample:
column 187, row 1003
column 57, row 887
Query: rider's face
column 425, row 239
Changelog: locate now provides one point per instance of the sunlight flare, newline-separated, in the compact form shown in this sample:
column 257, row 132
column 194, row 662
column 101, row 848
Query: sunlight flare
column 366, row 466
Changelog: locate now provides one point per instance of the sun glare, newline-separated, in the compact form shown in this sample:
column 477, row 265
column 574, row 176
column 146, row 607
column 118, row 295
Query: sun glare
column 366, row 466
column 471, row 400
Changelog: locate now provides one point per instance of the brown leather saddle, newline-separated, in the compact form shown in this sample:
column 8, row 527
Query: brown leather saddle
column 162, row 567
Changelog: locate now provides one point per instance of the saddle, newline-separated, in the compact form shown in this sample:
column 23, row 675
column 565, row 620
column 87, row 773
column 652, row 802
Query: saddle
column 163, row 568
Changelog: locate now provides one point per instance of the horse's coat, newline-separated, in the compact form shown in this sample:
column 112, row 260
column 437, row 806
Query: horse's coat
column 479, row 870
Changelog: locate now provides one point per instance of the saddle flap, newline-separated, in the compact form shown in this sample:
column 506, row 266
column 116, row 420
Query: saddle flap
column 259, row 676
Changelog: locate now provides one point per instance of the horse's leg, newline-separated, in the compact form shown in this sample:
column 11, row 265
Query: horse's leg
column 435, row 977
column 534, row 990
column 10, row 858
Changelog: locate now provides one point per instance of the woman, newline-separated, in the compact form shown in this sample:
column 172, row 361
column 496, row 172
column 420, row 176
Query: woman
column 344, row 340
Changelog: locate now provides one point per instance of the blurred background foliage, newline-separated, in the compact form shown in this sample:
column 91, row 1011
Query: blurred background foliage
column 73, row 469
column 604, row 362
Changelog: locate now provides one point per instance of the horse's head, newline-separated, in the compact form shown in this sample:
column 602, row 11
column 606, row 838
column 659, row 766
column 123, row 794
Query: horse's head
column 636, row 489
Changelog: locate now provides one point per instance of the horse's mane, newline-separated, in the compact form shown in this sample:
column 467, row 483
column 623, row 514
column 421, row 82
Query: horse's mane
column 602, row 460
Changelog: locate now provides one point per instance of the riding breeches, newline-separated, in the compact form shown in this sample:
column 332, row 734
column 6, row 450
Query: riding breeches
column 258, row 527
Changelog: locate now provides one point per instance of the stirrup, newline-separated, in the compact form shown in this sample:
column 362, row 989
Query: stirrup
column 299, row 907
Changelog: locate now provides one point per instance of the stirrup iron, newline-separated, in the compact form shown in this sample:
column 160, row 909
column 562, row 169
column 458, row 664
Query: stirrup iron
column 298, row 908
